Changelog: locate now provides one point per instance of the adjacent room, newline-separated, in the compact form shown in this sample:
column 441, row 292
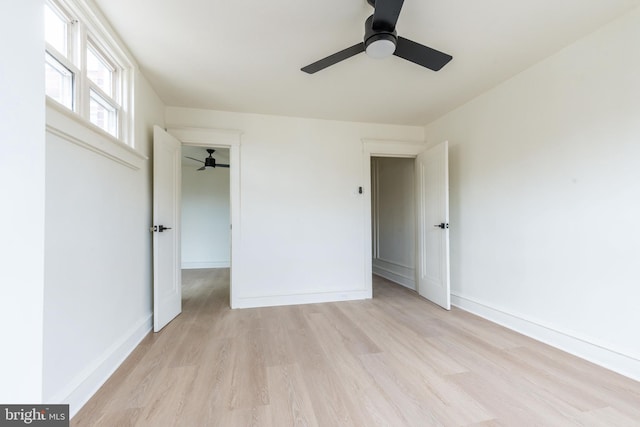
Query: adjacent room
column 205, row 209
column 363, row 212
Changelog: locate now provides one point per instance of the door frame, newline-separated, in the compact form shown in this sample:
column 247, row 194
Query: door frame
column 225, row 138
column 380, row 148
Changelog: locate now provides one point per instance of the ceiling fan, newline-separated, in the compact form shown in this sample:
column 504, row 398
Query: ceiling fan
column 381, row 41
column 209, row 162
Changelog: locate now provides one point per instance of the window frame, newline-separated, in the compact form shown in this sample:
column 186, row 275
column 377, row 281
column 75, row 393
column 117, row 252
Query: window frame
column 86, row 30
column 66, row 59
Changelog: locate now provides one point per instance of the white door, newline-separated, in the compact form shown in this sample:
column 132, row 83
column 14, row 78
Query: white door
column 167, row 279
column 432, row 186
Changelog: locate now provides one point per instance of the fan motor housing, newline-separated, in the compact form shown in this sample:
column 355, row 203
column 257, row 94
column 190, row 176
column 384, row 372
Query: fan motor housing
column 372, row 36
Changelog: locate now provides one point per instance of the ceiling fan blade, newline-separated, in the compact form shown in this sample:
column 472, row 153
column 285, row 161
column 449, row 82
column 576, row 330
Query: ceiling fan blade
column 221, row 165
column 202, row 168
column 334, row 59
column 197, row 160
column 421, row 55
column 386, row 14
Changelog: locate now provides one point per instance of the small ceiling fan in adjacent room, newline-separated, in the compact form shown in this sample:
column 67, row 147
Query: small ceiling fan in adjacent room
column 209, row 162
column 381, row 41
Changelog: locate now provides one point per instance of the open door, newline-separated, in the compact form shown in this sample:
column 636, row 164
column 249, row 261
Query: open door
column 167, row 279
column 432, row 186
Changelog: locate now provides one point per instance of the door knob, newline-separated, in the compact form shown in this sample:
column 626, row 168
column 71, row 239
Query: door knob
column 161, row 228
column 442, row 225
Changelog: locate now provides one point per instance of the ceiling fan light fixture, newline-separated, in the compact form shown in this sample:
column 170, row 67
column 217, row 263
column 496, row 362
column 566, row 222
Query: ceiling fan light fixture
column 209, row 162
column 381, row 41
column 380, row 46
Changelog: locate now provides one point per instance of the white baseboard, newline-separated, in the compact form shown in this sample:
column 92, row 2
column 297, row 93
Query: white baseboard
column 397, row 273
column 212, row 264
column 394, row 277
column 613, row 360
column 311, row 298
column 81, row 388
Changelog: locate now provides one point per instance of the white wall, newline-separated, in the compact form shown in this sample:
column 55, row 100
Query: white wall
column 545, row 198
column 302, row 220
column 393, row 219
column 206, row 237
column 98, row 256
column 22, row 166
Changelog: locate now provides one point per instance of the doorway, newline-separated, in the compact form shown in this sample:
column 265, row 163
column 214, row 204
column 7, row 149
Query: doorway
column 393, row 219
column 205, row 230
column 206, row 209
column 432, row 272
column 167, row 166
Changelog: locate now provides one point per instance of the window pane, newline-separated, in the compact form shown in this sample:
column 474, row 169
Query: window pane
column 55, row 30
column 103, row 114
column 99, row 72
column 58, row 81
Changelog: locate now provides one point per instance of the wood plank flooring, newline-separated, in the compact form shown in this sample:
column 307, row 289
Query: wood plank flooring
column 396, row 360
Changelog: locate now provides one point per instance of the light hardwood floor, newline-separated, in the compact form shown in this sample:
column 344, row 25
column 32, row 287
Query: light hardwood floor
column 395, row 360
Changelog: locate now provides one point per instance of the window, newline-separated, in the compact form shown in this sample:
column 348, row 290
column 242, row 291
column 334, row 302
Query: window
column 58, row 81
column 102, row 113
column 59, row 69
column 85, row 70
column 100, row 71
column 103, row 82
column 56, row 28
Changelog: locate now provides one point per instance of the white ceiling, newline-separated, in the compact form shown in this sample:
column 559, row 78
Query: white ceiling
column 246, row 56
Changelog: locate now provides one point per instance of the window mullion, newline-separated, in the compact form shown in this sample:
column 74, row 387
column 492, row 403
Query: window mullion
column 83, row 81
column 115, row 82
column 72, row 44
